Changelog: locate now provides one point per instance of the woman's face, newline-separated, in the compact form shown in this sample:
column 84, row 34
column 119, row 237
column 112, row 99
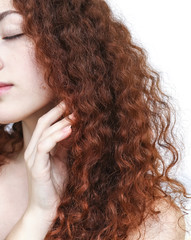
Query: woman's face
column 29, row 94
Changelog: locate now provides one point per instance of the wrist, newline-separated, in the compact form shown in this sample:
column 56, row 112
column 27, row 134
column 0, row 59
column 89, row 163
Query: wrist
column 37, row 214
column 33, row 225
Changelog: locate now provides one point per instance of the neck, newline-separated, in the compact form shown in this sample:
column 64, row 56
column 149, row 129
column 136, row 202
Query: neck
column 28, row 127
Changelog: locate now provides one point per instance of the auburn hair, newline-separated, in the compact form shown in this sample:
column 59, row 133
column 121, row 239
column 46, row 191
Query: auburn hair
column 122, row 147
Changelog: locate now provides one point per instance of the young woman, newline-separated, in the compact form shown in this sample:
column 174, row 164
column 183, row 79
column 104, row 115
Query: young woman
column 85, row 156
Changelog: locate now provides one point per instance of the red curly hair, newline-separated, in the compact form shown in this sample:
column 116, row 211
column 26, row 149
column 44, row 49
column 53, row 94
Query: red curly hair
column 116, row 166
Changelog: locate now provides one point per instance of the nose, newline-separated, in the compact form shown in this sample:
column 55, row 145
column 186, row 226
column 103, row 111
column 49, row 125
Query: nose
column 1, row 64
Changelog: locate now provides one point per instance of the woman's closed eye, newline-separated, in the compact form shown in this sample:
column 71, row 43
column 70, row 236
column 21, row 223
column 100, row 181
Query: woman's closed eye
column 13, row 37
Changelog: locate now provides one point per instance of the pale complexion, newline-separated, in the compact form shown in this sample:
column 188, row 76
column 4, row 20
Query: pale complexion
column 30, row 101
column 29, row 98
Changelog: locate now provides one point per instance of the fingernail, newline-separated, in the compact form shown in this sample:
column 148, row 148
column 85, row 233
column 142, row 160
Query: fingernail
column 71, row 116
column 62, row 104
column 66, row 129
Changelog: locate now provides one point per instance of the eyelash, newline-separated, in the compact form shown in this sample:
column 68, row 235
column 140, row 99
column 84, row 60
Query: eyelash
column 13, row 37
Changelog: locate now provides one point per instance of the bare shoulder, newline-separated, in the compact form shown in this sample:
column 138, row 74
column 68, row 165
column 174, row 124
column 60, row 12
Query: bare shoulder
column 170, row 224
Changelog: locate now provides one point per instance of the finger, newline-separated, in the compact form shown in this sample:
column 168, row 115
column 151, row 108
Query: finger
column 45, row 121
column 57, row 126
column 42, row 161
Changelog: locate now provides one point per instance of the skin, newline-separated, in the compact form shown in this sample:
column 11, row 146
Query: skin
column 31, row 97
column 30, row 101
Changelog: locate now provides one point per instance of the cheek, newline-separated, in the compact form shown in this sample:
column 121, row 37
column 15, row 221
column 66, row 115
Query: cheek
column 29, row 75
column 30, row 93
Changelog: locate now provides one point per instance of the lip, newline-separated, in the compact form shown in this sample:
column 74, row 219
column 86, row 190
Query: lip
column 2, row 84
column 5, row 88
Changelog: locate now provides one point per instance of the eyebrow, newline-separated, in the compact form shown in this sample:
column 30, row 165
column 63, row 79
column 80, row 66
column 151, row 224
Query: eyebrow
column 6, row 13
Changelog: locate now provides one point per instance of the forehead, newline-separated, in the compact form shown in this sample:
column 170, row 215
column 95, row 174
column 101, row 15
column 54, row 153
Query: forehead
column 6, row 5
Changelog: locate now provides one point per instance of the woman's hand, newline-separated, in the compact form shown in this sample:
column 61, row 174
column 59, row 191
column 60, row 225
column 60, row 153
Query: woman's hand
column 43, row 193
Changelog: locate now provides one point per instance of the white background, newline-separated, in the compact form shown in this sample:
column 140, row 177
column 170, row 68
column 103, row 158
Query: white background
column 163, row 29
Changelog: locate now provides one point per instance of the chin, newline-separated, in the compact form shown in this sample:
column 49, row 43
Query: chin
column 10, row 119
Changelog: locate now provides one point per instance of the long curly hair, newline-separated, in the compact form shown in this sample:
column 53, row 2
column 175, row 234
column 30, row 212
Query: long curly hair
column 122, row 147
